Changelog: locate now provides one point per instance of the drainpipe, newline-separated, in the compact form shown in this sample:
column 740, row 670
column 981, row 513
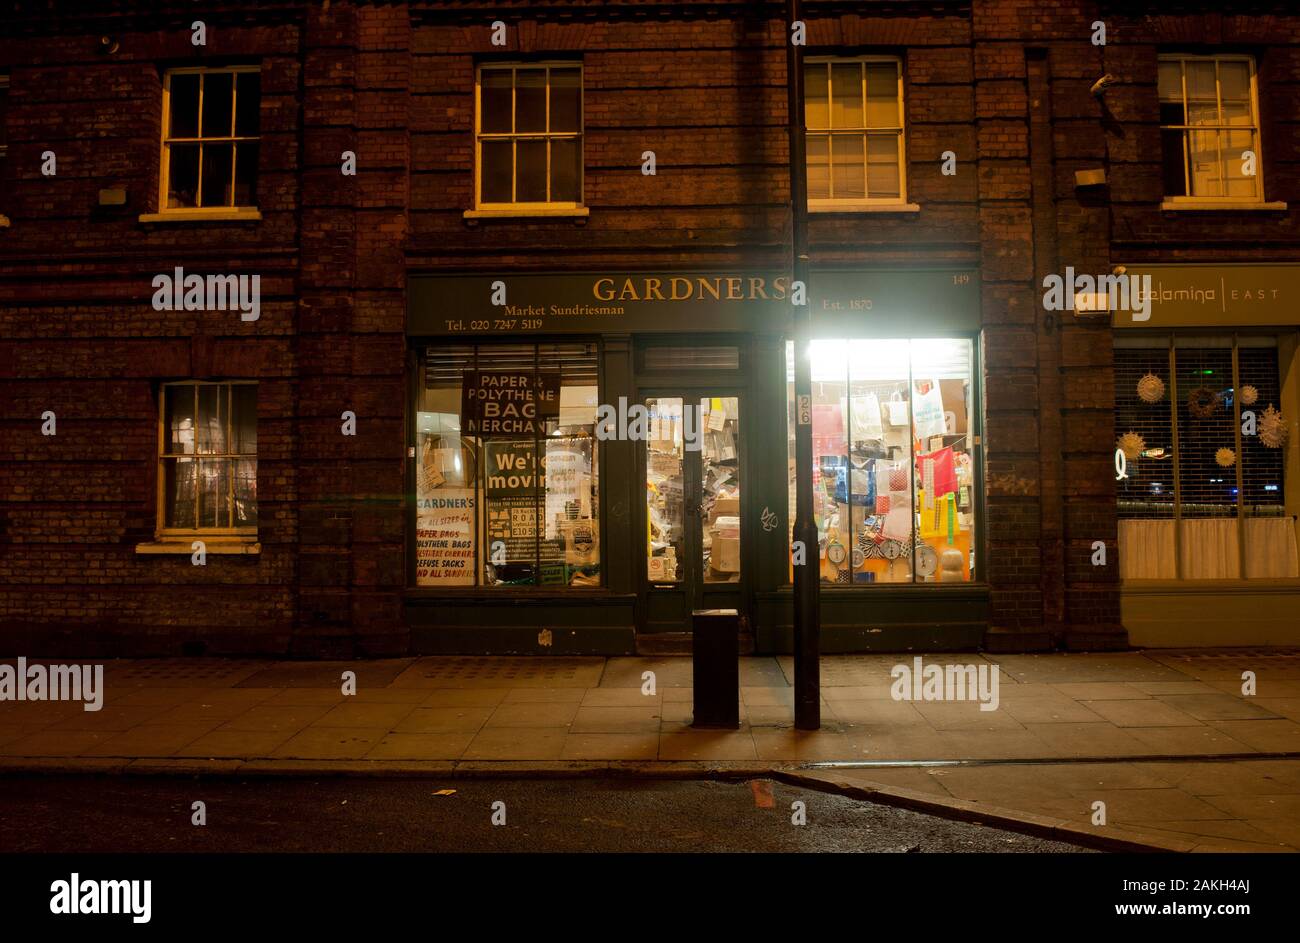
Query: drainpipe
column 807, row 578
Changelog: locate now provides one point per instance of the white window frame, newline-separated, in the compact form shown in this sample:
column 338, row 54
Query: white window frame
column 1187, row 199
column 162, row 531
column 164, row 165
column 869, row 202
column 513, row 208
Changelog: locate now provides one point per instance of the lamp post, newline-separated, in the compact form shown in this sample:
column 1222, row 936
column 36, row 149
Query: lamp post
column 807, row 576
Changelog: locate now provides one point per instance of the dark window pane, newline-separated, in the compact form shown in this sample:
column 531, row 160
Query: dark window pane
column 530, row 100
column 1261, row 467
column 1171, row 113
column 214, row 493
column 496, row 171
column 495, row 101
column 243, row 420
column 819, row 171
column 214, row 408
column 847, row 165
column 882, row 95
column 245, row 505
column 178, row 500
column 530, row 186
column 846, row 95
column 566, row 100
column 246, row 174
column 216, row 174
column 1171, row 143
column 182, row 174
column 1206, row 489
column 883, row 175
column 178, row 417
column 184, row 119
column 217, row 98
column 566, row 171
column 248, row 99
column 816, row 108
column 1171, row 80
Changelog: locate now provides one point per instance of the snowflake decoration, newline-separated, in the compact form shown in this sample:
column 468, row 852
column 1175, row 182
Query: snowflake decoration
column 1272, row 428
column 1131, row 444
column 1151, row 389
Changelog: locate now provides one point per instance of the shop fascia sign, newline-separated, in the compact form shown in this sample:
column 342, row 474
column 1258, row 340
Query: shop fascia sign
column 1215, row 296
column 894, row 301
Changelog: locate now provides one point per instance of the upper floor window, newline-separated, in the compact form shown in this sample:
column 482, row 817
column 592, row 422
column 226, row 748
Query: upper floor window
column 210, row 139
column 529, row 135
column 853, row 112
column 1209, row 128
column 208, row 455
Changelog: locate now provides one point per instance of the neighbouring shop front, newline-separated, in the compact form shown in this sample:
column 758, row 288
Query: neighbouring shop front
column 595, row 455
column 1207, row 391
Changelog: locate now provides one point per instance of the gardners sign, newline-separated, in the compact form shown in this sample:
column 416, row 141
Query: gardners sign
column 905, row 303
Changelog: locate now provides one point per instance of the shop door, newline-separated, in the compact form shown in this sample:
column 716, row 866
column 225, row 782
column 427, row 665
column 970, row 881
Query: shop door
column 692, row 458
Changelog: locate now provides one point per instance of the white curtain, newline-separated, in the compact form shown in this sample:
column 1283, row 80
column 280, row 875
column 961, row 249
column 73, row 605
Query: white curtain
column 1146, row 550
column 1271, row 548
column 1208, row 549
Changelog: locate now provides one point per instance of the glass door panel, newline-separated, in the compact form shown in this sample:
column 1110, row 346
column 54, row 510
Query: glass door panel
column 719, row 440
column 665, row 488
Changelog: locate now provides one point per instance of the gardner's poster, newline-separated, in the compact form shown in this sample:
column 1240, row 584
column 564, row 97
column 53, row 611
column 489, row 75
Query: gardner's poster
column 444, row 538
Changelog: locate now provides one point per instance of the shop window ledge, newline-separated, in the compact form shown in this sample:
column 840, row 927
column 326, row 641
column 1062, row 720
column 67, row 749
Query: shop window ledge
column 245, row 215
column 849, row 206
column 1196, row 206
column 523, row 212
column 1256, row 585
column 211, row 546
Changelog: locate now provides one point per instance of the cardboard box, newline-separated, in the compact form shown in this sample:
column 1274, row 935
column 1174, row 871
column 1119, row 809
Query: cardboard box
column 725, row 557
column 725, row 507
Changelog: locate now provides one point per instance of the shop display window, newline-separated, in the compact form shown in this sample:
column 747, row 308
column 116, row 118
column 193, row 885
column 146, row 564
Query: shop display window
column 507, row 466
column 893, row 468
column 1200, row 455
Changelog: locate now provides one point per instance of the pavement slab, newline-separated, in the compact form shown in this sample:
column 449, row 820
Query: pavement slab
column 1069, row 729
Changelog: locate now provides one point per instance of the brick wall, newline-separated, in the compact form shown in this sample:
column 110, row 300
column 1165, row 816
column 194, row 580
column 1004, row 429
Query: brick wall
column 1002, row 83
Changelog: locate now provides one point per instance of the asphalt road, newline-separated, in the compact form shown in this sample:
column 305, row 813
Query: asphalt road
column 153, row 814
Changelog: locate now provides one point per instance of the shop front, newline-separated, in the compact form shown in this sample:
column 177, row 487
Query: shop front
column 1207, row 390
column 595, row 455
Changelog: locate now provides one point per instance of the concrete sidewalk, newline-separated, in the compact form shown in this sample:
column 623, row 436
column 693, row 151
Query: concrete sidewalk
column 1140, row 732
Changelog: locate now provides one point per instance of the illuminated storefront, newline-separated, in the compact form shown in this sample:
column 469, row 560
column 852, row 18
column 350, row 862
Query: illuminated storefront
column 1205, row 395
column 595, row 455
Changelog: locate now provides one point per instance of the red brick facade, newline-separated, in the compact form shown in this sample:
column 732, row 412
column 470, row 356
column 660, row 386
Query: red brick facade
column 1002, row 83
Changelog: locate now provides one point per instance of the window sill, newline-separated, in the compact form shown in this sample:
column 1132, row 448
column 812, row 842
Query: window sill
column 542, row 212
column 849, row 207
column 1195, row 206
column 237, row 546
column 203, row 216
column 1282, row 584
